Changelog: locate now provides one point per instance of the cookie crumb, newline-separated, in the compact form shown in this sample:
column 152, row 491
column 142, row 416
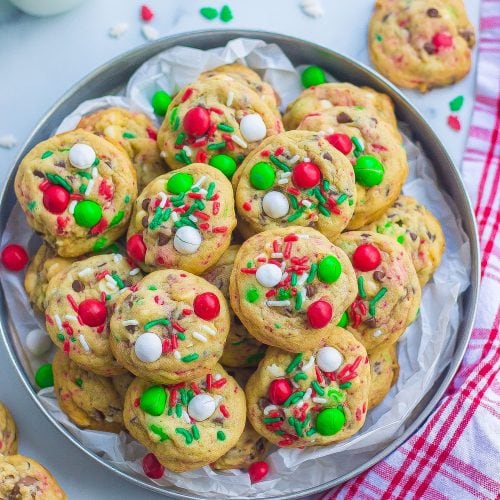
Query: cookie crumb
column 7, row 141
column 312, row 8
column 118, row 30
column 149, row 33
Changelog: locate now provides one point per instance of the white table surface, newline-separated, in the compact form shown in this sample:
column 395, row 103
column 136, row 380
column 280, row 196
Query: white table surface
column 40, row 58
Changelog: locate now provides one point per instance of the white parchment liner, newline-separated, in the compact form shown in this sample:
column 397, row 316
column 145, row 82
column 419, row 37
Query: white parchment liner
column 424, row 351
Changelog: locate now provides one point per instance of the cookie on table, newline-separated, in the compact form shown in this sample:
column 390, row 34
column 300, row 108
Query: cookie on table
column 77, row 190
column 211, row 118
column 328, row 95
column 374, row 150
column 313, row 398
column 421, row 44
column 384, row 369
column 183, row 219
column 241, row 349
column 249, row 77
column 295, row 178
column 79, row 306
column 42, row 268
column 188, row 425
column 89, row 400
column 289, row 287
column 171, row 327
column 388, row 288
column 23, row 478
column 8, row 432
column 135, row 133
column 417, row 230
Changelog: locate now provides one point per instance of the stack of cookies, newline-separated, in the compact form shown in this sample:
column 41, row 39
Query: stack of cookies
column 267, row 277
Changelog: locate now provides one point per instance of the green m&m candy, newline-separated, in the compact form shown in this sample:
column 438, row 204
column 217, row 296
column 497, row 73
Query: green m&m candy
column 87, row 213
column 344, row 320
column 44, row 376
column 160, row 102
column 312, row 76
column 179, row 183
column 224, row 163
column 262, row 175
column 330, row 421
column 154, row 400
column 329, row 269
column 368, row 171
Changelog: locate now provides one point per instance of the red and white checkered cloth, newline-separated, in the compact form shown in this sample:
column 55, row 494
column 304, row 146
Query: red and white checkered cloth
column 456, row 453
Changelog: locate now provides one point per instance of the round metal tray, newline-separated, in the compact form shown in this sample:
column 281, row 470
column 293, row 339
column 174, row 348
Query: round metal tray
column 106, row 79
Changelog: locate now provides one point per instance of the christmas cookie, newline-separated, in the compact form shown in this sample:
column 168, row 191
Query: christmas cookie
column 384, row 369
column 21, row 478
column 295, row 178
column 187, row 425
column 214, row 122
column 183, row 219
column 388, row 288
column 421, row 44
column 375, row 152
column 135, row 133
column 249, row 77
column 170, row 327
column 42, row 268
column 89, row 400
column 324, row 97
column 79, row 305
column 412, row 225
column 241, row 349
column 8, row 432
column 290, row 286
column 77, row 190
column 312, row 398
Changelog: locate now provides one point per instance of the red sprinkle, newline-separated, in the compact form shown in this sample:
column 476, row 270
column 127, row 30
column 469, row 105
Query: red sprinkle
column 265, row 153
column 318, row 375
column 219, row 383
column 454, row 123
column 66, row 346
column 270, row 293
column 217, row 110
column 215, row 209
column 279, row 151
column 173, row 397
column 201, row 156
column 248, row 270
column 291, row 237
column 187, row 94
column 247, row 206
column 152, row 133
column 146, row 13
column 186, row 312
column 219, row 229
column 209, row 381
column 293, row 190
column 137, row 402
column 178, row 327
column 196, row 196
column 165, row 346
column 99, row 227
column 224, row 411
column 195, row 388
column 44, row 185
column 204, row 226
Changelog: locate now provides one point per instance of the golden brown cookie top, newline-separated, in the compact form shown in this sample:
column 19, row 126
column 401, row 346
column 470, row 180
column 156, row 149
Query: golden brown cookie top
column 8, row 432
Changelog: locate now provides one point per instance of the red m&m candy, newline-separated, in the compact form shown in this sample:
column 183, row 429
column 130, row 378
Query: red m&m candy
column 279, row 391
column 196, row 121
column 92, row 312
column 319, row 313
column 206, row 306
column 136, row 248
column 306, row 175
column 442, row 41
column 55, row 199
column 339, row 141
column 14, row 257
column 366, row 257
column 151, row 467
column 258, row 471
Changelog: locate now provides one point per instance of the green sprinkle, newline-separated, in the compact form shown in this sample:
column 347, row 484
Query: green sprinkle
column 319, row 390
column 60, row 336
column 293, row 201
column 357, row 143
column 209, row 13
column 361, row 287
column 118, row 281
column 351, row 202
column 181, row 336
column 269, row 420
column 319, row 196
column 326, row 185
column 311, row 431
column 178, row 410
column 401, row 239
column 127, row 198
column 298, row 302
column 252, row 295
column 293, row 398
column 128, row 135
column 345, row 385
column 296, row 215
column 185, row 433
column 221, row 436
column 341, row 199
column 216, row 145
column 31, row 205
column 277, row 325
column 154, row 322
column 195, row 432
column 338, row 396
column 380, row 294
column 249, row 264
column 177, row 122
column 156, row 429
column 82, row 188
column 279, row 432
column 46, row 154
column 183, row 396
column 293, row 281
column 300, row 376
column 180, row 138
column 87, row 175
column 378, row 37
column 108, row 297
column 170, row 412
column 240, row 158
column 117, row 218
column 279, row 163
column 225, row 127
column 190, row 394
column 210, row 191
column 96, row 162
column 226, row 14
column 457, row 103
column 156, row 220
column 57, row 179
column 298, row 428
column 173, row 115
column 200, row 205
column 190, row 357
column 100, row 244
column 295, row 361
column 255, row 358
column 324, row 211
column 312, row 273
column 79, row 382
column 152, row 287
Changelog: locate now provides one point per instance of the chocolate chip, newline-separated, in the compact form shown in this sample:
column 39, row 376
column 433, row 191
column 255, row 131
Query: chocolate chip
column 77, row 286
column 311, row 290
column 37, row 173
column 145, row 204
column 163, row 239
column 370, row 322
column 413, row 236
column 432, row 12
column 376, row 367
column 60, row 164
column 127, row 283
column 429, row 48
column 131, row 328
column 263, row 402
column 327, row 156
column 145, row 221
column 343, row 118
column 378, row 275
column 468, row 36
column 384, row 19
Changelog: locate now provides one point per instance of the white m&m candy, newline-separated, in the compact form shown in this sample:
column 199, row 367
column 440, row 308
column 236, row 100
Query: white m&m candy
column 81, row 156
column 201, row 407
column 275, row 204
column 268, row 275
column 329, row 359
column 187, row 240
column 253, row 128
column 38, row 342
column 148, row 347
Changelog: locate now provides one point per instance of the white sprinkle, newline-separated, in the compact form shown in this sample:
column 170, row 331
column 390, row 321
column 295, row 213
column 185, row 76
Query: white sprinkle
column 294, row 384
column 185, row 416
column 300, row 404
column 203, row 191
column 278, row 303
column 199, row 182
column 95, row 173
column 277, row 255
column 282, row 174
column 123, row 290
column 177, row 355
column 58, row 321
column 83, row 342
column 149, row 32
column 90, row 186
column 7, row 141
column 130, row 322
column 193, row 218
column 199, row 336
column 361, row 143
column 283, row 266
column 284, row 277
column 269, row 408
column 70, row 317
column 230, row 97
column 134, row 271
column 301, row 279
column 309, row 364
column 217, row 376
column 284, row 180
column 325, row 104
column 303, row 236
column 117, row 257
column 118, row 30
column 312, row 8
column 293, row 160
column 238, row 140
column 306, row 203
column 319, row 400
column 307, row 394
column 377, row 332
column 218, row 399
column 188, row 150
column 303, row 292
column 71, row 207
column 175, row 216
column 163, row 154
column 163, row 199
column 306, row 159
column 110, row 279
column 209, row 330
column 321, row 133
column 85, row 272
column 108, row 419
column 275, row 370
